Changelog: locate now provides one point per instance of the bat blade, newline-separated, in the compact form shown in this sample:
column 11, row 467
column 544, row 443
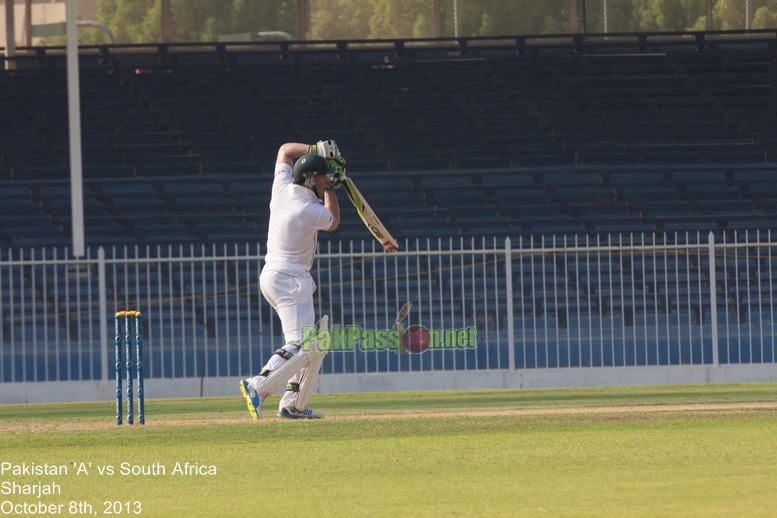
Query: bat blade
column 369, row 217
column 403, row 312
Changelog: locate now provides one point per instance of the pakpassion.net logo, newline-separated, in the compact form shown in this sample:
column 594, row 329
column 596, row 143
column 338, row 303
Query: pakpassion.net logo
column 416, row 338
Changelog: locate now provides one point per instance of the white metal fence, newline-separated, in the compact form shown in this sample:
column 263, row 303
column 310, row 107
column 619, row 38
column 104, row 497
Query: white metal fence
column 634, row 300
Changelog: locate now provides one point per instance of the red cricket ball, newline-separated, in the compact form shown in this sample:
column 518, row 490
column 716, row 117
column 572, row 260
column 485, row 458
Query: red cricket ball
column 417, row 339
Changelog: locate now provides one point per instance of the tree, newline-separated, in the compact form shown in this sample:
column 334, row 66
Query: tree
column 340, row 19
column 139, row 21
column 392, row 19
column 766, row 16
column 499, row 18
column 372, row 19
column 669, row 15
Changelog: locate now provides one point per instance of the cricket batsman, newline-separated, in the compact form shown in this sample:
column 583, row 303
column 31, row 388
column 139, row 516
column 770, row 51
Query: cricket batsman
column 303, row 202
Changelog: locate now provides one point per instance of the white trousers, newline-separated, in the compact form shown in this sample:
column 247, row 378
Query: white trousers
column 292, row 299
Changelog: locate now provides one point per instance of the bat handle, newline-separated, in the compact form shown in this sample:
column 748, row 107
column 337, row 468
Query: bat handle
column 400, row 331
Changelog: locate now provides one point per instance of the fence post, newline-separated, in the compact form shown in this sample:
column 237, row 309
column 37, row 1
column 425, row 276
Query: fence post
column 510, row 323
column 713, row 300
column 103, row 312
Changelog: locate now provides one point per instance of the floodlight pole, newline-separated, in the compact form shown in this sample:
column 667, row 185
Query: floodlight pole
column 437, row 19
column 302, row 19
column 28, row 23
column 456, row 18
column 74, row 130
column 166, row 16
column 573, row 22
column 10, row 42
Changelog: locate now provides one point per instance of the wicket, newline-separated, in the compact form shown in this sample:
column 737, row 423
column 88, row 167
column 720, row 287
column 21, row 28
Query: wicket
column 126, row 331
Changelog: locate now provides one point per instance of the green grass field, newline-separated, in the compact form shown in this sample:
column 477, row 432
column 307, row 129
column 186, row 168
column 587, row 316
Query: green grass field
column 702, row 450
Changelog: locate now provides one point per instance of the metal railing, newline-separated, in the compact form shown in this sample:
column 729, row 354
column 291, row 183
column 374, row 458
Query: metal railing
column 634, row 300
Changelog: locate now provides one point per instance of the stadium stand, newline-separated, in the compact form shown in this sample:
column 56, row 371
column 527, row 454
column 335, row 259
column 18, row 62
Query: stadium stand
column 521, row 139
column 529, row 138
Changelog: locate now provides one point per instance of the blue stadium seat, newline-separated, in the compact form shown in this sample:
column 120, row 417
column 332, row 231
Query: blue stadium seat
column 684, row 146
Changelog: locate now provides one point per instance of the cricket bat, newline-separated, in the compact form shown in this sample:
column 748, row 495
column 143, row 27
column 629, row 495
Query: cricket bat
column 368, row 216
column 399, row 328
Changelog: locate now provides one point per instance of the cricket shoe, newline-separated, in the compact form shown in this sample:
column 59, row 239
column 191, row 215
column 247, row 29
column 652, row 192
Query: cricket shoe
column 291, row 412
column 253, row 399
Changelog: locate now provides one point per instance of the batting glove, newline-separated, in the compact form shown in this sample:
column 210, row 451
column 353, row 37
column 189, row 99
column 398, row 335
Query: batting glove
column 338, row 164
column 337, row 178
column 326, row 148
column 334, row 184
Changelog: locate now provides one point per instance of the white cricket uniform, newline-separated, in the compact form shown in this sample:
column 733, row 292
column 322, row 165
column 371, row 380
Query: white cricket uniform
column 296, row 216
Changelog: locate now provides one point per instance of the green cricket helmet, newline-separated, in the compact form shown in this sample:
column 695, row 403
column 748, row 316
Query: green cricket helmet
column 309, row 166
